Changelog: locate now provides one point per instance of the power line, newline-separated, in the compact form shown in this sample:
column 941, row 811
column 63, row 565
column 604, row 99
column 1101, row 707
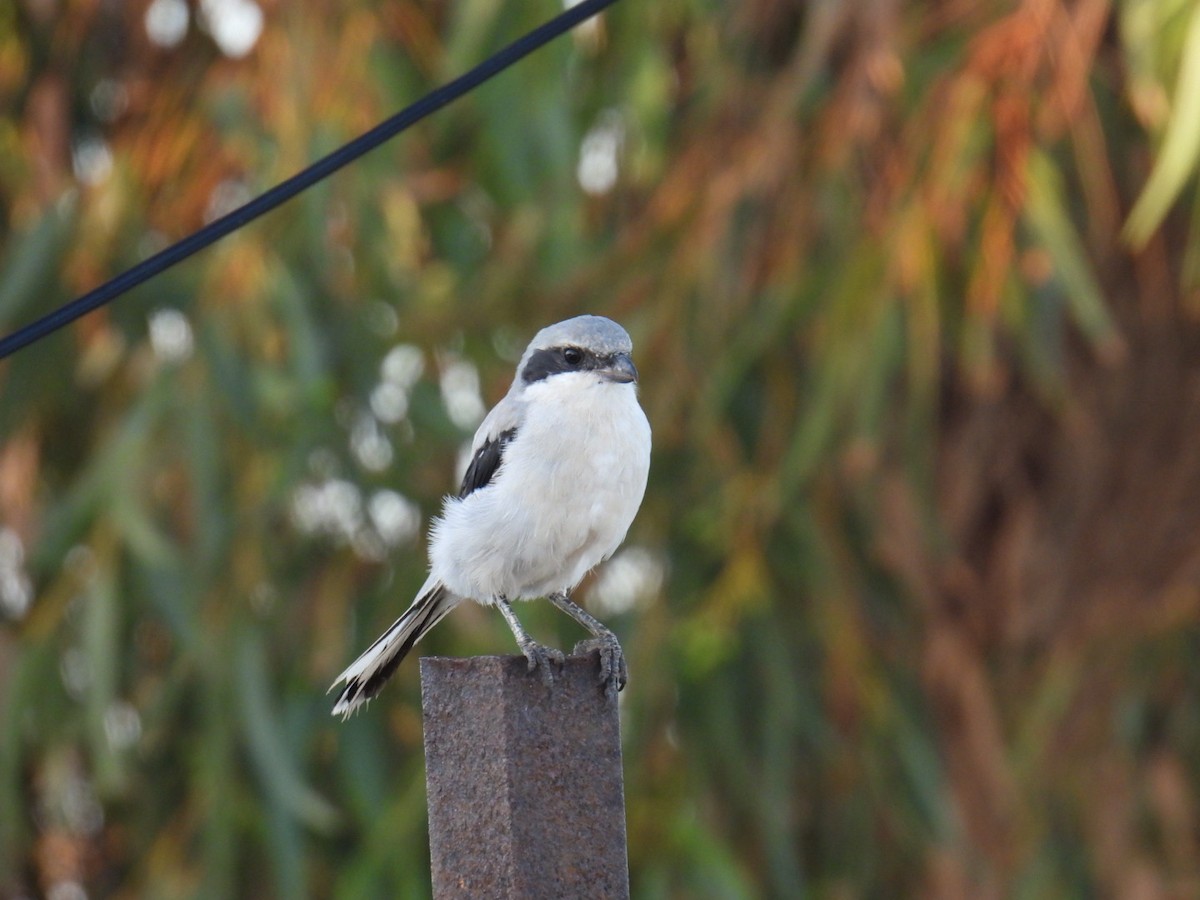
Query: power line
column 302, row 180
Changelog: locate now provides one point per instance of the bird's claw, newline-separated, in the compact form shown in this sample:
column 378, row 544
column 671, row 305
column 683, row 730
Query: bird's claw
column 614, row 673
column 541, row 657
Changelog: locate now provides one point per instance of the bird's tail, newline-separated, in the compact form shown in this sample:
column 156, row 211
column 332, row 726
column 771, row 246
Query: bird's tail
column 366, row 675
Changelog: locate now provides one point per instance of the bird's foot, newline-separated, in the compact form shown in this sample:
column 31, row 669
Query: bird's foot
column 541, row 657
column 614, row 673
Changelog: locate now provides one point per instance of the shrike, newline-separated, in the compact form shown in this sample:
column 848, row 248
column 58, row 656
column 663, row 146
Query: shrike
column 557, row 473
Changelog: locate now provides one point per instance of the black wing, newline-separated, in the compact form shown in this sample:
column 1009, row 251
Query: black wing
column 486, row 461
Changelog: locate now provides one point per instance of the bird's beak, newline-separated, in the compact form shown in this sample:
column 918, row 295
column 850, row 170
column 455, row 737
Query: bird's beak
column 621, row 369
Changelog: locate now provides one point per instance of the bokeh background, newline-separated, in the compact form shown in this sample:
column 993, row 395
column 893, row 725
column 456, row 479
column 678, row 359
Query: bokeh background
column 913, row 604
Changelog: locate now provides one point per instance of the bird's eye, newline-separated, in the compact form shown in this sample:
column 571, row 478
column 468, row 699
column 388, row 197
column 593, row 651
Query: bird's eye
column 573, row 356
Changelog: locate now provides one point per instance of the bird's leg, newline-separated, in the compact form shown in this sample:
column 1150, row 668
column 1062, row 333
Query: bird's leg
column 538, row 655
column 613, row 671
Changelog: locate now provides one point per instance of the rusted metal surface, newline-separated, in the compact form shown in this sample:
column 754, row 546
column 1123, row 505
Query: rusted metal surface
column 526, row 797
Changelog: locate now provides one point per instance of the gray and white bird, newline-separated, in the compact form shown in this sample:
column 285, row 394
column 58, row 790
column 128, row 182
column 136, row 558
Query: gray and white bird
column 557, row 473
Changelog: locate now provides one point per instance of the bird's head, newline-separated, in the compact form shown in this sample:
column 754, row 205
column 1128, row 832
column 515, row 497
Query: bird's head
column 582, row 344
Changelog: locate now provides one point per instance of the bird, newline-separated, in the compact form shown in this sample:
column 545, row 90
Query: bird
column 557, row 473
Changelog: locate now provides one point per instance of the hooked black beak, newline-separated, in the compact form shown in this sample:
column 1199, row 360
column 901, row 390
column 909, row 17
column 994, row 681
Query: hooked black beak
column 620, row 369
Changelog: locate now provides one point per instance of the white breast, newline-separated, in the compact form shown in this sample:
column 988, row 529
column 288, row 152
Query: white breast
column 567, row 491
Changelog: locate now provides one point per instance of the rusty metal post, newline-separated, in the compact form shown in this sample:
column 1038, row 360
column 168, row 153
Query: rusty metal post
column 526, row 797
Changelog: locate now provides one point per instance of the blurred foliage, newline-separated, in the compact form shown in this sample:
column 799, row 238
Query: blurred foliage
column 914, row 294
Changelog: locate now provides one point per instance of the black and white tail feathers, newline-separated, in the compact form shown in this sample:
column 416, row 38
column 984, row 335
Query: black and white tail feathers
column 366, row 675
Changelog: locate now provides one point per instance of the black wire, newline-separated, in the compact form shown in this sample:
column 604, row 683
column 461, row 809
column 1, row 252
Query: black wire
column 302, row 180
